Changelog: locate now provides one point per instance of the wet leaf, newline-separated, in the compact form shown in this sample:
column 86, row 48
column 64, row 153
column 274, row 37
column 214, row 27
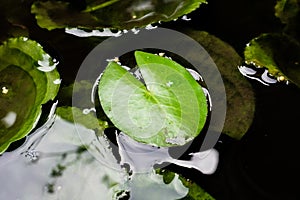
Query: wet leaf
column 24, row 87
column 239, row 93
column 277, row 52
column 170, row 109
column 114, row 14
column 88, row 120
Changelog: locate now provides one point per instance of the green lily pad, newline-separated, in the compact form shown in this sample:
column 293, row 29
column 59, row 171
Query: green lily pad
column 239, row 93
column 117, row 14
column 170, row 109
column 28, row 79
column 279, row 53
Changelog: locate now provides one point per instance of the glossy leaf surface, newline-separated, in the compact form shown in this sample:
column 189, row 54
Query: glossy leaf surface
column 28, row 79
column 279, row 53
column 114, row 14
column 170, row 109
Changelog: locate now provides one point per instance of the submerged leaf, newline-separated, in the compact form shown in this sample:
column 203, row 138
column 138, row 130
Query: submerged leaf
column 86, row 119
column 239, row 93
column 114, row 14
column 25, row 87
column 14, row 18
column 287, row 10
column 73, row 91
column 170, row 109
column 278, row 53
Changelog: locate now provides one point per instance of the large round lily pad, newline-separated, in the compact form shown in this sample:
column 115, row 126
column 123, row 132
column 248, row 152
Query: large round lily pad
column 239, row 93
column 28, row 79
column 117, row 14
column 170, row 109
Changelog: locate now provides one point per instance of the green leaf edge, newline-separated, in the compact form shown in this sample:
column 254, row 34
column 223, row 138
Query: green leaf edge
column 157, row 139
column 44, row 21
column 33, row 52
column 262, row 55
column 139, row 55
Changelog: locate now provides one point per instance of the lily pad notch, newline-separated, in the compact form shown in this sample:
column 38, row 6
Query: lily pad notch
column 170, row 109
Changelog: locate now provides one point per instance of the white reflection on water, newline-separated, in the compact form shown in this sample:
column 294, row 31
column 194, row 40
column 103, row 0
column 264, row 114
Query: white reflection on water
column 54, row 165
column 150, row 186
column 106, row 32
column 61, row 160
column 83, row 177
column 255, row 74
column 142, row 157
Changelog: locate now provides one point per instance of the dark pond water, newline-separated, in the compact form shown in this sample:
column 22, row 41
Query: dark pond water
column 262, row 165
